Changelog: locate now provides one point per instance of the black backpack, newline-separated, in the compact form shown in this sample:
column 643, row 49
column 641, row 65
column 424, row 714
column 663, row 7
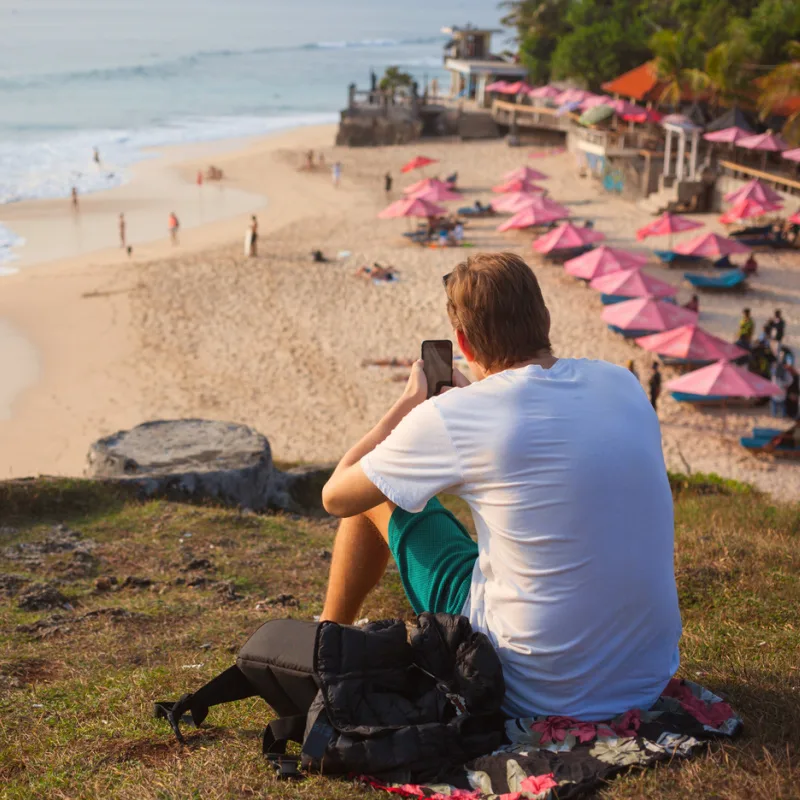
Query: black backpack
column 374, row 700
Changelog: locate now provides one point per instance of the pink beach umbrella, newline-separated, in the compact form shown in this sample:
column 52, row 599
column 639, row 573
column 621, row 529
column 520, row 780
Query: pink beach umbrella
column 754, row 190
column 497, row 86
column 424, row 185
column 647, row 314
column 667, row 224
column 528, row 217
column 603, row 261
column 437, row 194
column 516, row 201
column 544, row 92
column 732, row 135
column 516, row 185
column 710, row 245
column 723, row 379
column 632, row 283
column 745, row 209
column 795, row 218
column 623, row 107
column 596, row 100
column 525, row 174
column 412, row 207
column 792, row 155
column 643, row 115
column 690, row 343
column 769, row 142
column 566, row 237
column 518, row 87
column 573, row 96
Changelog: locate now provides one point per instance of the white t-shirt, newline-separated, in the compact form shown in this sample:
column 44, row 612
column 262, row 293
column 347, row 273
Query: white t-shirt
column 574, row 581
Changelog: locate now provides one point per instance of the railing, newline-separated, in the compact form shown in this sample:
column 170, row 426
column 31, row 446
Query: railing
column 615, row 141
column 769, row 177
column 529, row 116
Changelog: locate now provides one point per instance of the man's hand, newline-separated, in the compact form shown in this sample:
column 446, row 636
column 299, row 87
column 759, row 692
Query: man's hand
column 416, row 390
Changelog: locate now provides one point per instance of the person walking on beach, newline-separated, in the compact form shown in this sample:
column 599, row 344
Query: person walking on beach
column 746, row 329
column 337, row 173
column 75, row 199
column 174, row 226
column 387, row 183
column 778, row 329
column 253, row 236
column 782, row 380
column 655, row 386
column 123, row 243
column 632, row 368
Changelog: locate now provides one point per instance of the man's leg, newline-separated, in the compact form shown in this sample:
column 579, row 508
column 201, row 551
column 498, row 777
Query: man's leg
column 360, row 556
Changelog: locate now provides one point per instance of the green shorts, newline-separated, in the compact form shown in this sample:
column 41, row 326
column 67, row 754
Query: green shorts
column 435, row 556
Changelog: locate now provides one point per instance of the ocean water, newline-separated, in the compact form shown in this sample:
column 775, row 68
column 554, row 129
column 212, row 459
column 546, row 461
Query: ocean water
column 124, row 75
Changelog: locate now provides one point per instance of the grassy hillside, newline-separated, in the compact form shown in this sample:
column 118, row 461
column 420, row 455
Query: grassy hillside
column 76, row 686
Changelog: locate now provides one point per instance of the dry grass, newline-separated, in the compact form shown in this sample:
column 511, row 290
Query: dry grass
column 75, row 695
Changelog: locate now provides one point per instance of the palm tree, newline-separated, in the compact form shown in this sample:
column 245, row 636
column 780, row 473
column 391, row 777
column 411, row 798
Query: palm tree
column 672, row 65
column 393, row 79
column 779, row 86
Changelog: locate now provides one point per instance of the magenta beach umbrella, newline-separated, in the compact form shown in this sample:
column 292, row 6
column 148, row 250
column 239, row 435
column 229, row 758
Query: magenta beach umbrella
column 754, row 190
column 567, row 237
column 732, row 135
column 723, row 380
column 632, row 283
column 647, row 314
column 525, row 174
column 710, row 245
column 412, row 207
column 690, row 343
column 602, row 261
column 529, row 217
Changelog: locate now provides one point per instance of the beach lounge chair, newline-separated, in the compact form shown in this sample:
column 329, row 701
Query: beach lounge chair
column 629, row 334
column 560, row 256
column 727, row 281
column 753, row 231
column 670, row 258
column 699, row 399
column 471, row 211
column 780, row 443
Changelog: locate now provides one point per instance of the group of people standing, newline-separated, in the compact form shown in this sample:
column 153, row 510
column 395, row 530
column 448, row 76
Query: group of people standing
column 772, row 359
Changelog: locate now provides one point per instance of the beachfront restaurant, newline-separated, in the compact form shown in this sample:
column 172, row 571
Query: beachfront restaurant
column 472, row 65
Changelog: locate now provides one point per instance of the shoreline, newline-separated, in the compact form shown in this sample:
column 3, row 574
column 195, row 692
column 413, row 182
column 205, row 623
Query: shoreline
column 73, row 313
column 280, row 343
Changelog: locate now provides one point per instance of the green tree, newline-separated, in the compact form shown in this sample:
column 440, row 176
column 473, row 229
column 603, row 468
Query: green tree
column 772, row 26
column 780, row 85
column 394, row 79
column 539, row 25
column 674, row 63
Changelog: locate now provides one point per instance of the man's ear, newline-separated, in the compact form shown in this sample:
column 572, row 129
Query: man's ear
column 465, row 347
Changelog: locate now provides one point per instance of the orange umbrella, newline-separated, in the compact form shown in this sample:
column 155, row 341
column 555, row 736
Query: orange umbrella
column 412, row 207
column 417, row 163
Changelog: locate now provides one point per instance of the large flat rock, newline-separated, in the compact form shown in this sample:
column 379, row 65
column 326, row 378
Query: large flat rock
column 199, row 460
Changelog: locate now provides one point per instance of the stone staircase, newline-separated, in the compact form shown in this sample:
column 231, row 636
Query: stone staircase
column 477, row 125
column 657, row 201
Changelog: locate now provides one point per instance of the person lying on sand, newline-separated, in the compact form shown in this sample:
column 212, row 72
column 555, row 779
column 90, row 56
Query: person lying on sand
column 317, row 257
column 377, row 273
column 560, row 462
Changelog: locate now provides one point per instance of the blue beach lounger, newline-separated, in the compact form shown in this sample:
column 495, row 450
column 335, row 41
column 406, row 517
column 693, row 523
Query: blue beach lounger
column 731, row 279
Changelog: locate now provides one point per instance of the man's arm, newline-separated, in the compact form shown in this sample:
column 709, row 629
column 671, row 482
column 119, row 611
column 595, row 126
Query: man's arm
column 349, row 491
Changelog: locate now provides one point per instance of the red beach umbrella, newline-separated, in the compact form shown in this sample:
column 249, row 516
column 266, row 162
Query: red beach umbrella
column 517, row 185
column 647, row 314
column 691, row 343
column 643, row 115
column 667, row 224
column 528, row 217
column 566, row 237
column 633, row 283
column 723, row 379
column 412, row 207
column 745, row 209
column 754, row 190
column 525, row 174
column 417, row 163
column 603, row 261
column 710, row 245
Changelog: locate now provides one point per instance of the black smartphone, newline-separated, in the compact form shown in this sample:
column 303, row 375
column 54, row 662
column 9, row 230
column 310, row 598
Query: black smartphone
column 437, row 354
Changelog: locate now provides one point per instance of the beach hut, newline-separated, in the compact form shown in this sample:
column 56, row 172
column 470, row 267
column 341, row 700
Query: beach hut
column 603, row 261
column 617, row 287
column 755, row 190
column 529, row 217
column 690, row 345
column 721, row 382
column 525, row 174
column 567, row 240
column 645, row 315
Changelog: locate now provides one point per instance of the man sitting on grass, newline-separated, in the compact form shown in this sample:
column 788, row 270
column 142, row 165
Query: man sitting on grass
column 560, row 462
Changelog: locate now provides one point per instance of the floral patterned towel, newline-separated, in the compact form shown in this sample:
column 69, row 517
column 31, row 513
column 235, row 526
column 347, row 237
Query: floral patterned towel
column 549, row 757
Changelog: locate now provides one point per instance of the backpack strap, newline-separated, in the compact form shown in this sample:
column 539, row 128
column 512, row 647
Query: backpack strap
column 273, row 744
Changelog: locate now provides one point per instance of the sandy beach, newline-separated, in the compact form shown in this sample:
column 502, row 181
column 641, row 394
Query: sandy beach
column 279, row 342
